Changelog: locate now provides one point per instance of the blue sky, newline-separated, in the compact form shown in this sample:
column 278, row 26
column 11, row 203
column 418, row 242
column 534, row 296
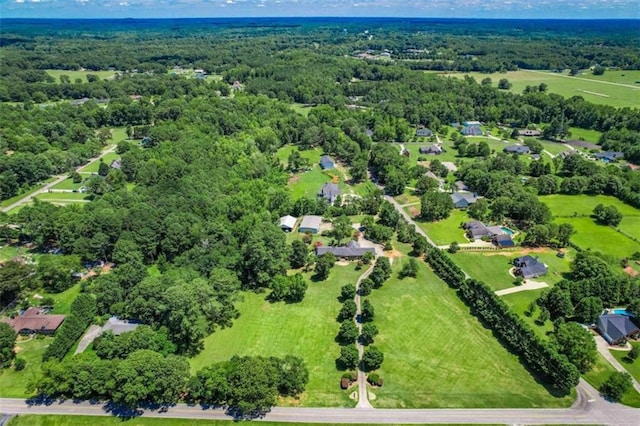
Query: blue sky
column 586, row 9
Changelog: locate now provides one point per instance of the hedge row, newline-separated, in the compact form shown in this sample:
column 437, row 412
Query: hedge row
column 83, row 310
column 517, row 336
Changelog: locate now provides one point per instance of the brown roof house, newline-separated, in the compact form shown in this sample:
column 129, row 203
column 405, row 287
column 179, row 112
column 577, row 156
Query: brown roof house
column 35, row 320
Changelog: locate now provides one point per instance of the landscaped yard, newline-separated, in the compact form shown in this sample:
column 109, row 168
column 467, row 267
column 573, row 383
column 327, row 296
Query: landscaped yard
column 93, row 167
column 64, row 197
column 444, row 232
column 13, row 384
column 632, row 367
column 519, row 302
column 600, row 373
column 306, row 329
column 62, row 301
column 438, row 355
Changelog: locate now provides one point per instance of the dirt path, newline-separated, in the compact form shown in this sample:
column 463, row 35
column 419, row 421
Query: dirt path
column 28, row 198
column 363, row 399
column 603, row 348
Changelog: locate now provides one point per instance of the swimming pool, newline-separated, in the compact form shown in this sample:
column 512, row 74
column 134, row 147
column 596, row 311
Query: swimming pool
column 507, row 230
column 622, row 312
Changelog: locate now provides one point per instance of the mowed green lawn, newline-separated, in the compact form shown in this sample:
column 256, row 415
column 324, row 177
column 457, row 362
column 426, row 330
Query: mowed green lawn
column 583, row 205
column 632, row 367
column 590, row 235
column 305, row 329
column 79, row 74
column 55, row 420
column 601, row 372
column 592, row 89
column 519, row 303
column 68, row 184
column 438, row 355
column 93, row 167
column 444, row 232
column 13, row 384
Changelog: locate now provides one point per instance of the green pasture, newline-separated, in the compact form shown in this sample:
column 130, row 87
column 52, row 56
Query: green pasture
column 67, row 184
column 583, row 205
column 446, row 231
column 554, row 148
column 13, row 384
column 73, row 74
column 305, row 329
column 601, row 372
column 93, row 167
column 587, row 135
column 629, row 77
column 632, row 367
column 490, row 267
column 597, row 91
column 438, row 355
column 519, row 302
column 592, row 236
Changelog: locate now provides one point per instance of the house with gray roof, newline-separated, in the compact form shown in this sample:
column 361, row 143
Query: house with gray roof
column 462, row 199
column 330, row 192
column 118, row 326
column 529, row 132
column 517, row 149
column 310, row 224
column 432, row 150
column 616, row 329
column 424, row 132
column 529, row 267
column 351, row 251
column 609, row 156
column 461, row 186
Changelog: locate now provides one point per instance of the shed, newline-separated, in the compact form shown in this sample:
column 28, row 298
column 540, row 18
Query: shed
column 326, row 162
column 310, row 224
column 287, row 223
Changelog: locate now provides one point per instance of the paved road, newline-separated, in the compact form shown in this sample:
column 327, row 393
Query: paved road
column 589, row 408
column 60, row 178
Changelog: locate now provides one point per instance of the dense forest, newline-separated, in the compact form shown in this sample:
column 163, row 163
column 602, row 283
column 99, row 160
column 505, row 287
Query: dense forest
column 200, row 189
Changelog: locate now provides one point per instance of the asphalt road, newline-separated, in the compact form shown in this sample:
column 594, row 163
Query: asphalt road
column 586, row 410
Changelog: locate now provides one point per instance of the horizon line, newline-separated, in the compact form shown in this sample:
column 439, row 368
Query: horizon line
column 322, row 16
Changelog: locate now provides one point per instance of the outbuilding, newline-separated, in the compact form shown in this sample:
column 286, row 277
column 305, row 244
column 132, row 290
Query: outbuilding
column 310, row 224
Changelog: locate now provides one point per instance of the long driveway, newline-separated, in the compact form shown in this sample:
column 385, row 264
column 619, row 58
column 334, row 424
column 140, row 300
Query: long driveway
column 29, row 197
column 589, row 408
column 603, row 348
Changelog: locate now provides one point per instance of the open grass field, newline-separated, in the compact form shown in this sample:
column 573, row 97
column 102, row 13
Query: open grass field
column 601, row 372
column 62, row 301
column 93, row 167
column 590, row 235
column 519, row 302
column 592, row 88
column 632, row 367
column 301, row 109
column 305, row 329
column 444, row 232
column 583, row 205
column 64, row 197
column 67, row 184
column 104, row 75
column 587, row 135
column 13, row 384
column 55, row 420
column 554, row 148
column 438, row 355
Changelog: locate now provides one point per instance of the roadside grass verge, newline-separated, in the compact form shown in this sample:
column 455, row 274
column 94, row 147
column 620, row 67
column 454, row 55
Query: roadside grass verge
column 632, row 367
column 305, row 329
column 14, row 384
column 438, row 355
column 601, row 372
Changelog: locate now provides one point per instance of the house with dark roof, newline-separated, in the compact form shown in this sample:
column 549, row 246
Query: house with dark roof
column 529, row 267
column 424, row 132
column 118, row 326
column 609, row 156
column 330, row 192
column 471, row 131
column 326, row 162
column 503, row 241
column 351, row 251
column 462, row 200
column 35, row 320
column 310, row 224
column 288, row 223
column 617, row 329
column 476, row 229
column 432, row 149
column 517, row 149
column 461, row 186
column 529, row 132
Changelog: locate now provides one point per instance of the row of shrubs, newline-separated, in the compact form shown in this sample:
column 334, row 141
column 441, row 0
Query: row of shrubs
column 538, row 355
column 83, row 311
